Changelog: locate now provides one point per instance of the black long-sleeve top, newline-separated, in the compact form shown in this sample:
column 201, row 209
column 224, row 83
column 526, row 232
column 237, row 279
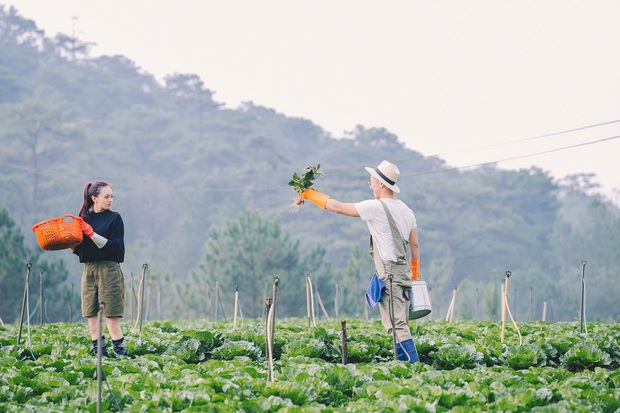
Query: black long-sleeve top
column 108, row 224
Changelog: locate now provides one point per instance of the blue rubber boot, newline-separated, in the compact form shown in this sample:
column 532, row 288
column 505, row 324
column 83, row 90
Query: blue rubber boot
column 406, row 351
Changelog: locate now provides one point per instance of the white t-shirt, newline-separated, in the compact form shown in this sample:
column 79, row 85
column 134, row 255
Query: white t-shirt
column 372, row 212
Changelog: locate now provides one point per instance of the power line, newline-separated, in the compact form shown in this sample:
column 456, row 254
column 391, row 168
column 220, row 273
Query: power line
column 520, row 156
column 529, row 138
column 271, row 175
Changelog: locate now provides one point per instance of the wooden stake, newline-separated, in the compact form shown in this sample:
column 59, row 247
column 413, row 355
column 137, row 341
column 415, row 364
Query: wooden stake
column 583, row 289
column 308, row 299
column 21, row 318
column 41, row 297
column 343, row 329
column 236, row 306
column 217, row 294
column 504, row 304
column 318, row 297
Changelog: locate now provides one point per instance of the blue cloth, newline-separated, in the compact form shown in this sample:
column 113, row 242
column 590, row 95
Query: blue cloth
column 375, row 289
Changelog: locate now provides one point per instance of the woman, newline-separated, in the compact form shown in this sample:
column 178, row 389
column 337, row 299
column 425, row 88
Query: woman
column 102, row 251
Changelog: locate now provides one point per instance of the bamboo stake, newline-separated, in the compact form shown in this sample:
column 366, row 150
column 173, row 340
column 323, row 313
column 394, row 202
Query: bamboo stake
column 269, row 330
column 453, row 304
column 544, row 314
column 217, row 293
column 41, row 297
column 311, row 301
column 318, row 297
column 504, row 304
column 267, row 327
column 337, row 301
column 132, row 295
column 236, row 306
column 148, row 301
column 582, row 311
column 140, row 303
column 308, row 299
column 274, row 302
column 508, row 273
column 21, row 318
column 450, row 313
column 208, row 295
column 343, row 328
column 99, row 354
column 158, row 301
column 142, row 282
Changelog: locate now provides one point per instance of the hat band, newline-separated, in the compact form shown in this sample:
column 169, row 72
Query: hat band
column 388, row 180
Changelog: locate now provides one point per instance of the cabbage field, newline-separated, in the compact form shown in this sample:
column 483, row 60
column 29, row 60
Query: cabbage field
column 204, row 366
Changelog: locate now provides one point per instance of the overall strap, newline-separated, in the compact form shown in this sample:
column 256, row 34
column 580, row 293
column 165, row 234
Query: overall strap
column 399, row 242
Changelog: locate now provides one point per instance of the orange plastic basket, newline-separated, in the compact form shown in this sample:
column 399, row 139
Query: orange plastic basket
column 57, row 234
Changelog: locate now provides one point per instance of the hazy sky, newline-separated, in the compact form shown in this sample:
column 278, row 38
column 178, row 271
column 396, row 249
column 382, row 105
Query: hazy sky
column 470, row 81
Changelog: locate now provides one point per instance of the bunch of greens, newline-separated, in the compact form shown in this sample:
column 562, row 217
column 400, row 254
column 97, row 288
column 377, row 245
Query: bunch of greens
column 304, row 182
column 300, row 184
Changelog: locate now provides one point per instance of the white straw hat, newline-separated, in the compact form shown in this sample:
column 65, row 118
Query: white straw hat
column 387, row 173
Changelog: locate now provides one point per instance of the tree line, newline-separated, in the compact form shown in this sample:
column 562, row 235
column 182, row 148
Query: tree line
column 203, row 192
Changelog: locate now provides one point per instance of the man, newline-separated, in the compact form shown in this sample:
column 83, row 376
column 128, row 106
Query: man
column 392, row 270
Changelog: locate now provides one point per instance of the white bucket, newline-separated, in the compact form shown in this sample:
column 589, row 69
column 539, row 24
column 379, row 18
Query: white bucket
column 419, row 304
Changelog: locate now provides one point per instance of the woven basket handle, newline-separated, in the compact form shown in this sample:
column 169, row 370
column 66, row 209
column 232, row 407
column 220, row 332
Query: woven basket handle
column 70, row 215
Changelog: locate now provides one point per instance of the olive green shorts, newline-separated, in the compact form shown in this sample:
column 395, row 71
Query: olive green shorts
column 103, row 282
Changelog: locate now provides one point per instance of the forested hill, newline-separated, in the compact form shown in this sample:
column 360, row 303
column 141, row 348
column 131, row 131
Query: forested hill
column 186, row 171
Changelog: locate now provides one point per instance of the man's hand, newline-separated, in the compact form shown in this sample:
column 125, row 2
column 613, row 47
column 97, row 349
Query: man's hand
column 415, row 269
column 315, row 197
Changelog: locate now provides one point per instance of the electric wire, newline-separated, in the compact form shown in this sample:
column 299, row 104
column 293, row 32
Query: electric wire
column 516, row 157
column 528, row 139
column 273, row 175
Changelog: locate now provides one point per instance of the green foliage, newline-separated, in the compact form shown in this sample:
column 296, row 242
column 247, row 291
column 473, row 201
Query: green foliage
column 249, row 252
column 300, row 184
column 232, row 349
column 232, row 376
column 523, row 357
column 13, row 273
column 451, row 356
column 182, row 165
column 585, row 356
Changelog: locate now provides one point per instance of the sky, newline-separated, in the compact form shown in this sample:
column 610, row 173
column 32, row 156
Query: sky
column 516, row 83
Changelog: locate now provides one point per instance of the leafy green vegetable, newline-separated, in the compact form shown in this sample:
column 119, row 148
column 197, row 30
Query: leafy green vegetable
column 231, row 349
column 213, row 366
column 451, row 356
column 523, row 357
column 585, row 356
column 304, row 182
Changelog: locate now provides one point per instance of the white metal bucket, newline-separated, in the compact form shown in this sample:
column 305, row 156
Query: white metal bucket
column 419, row 304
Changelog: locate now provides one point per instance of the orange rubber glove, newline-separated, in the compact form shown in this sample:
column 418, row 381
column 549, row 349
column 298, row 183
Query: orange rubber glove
column 415, row 269
column 315, row 197
column 86, row 228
